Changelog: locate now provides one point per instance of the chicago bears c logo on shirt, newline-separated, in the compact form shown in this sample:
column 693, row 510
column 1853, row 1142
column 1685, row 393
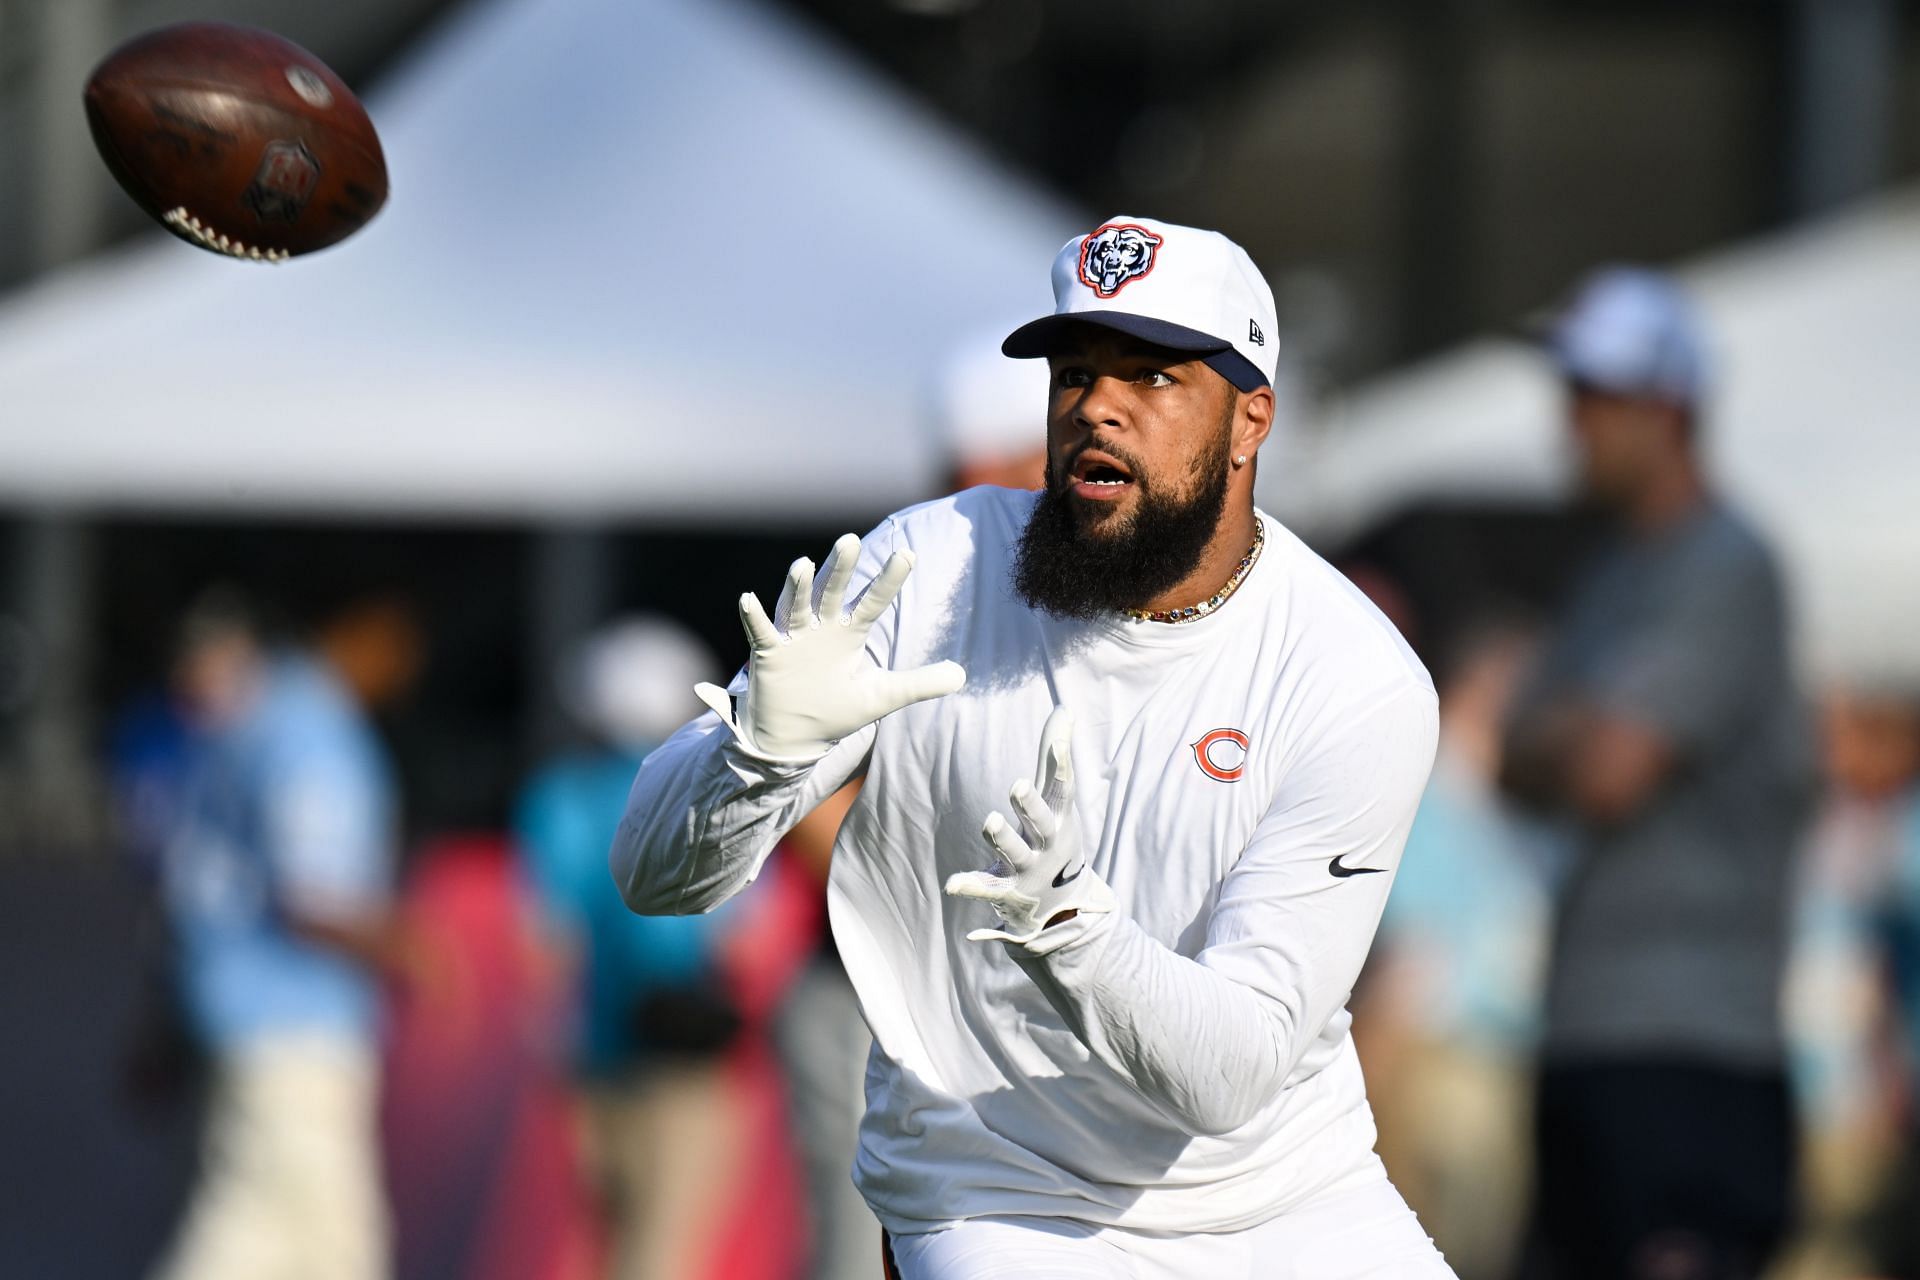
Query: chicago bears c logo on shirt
column 1222, row 754
column 1116, row 254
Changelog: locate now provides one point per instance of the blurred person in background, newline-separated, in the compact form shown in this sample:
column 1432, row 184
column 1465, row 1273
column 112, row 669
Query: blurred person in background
column 984, row 415
column 1663, row 726
column 278, row 877
column 668, row 1137
column 823, row 1044
column 1842, row 1034
column 1446, row 1015
column 1868, row 849
column 150, row 752
column 985, row 420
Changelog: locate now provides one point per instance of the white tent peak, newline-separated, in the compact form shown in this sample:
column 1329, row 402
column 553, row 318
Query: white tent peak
column 643, row 259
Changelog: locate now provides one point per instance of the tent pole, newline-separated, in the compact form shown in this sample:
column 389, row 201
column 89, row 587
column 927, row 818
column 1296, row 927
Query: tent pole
column 69, row 213
column 570, row 595
column 62, row 780
column 1844, row 60
column 1438, row 48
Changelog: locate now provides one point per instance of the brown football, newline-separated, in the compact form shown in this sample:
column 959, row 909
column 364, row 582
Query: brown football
column 237, row 140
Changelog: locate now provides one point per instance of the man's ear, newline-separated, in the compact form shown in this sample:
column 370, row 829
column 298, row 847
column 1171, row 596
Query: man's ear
column 1254, row 422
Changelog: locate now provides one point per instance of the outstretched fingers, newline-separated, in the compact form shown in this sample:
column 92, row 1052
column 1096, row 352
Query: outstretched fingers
column 796, row 598
column 1053, row 775
column 904, row 688
column 983, row 885
column 880, row 592
column 833, row 591
column 1033, row 810
column 1008, row 848
column 762, row 635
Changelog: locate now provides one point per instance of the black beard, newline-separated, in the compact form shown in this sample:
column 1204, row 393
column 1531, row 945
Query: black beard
column 1072, row 572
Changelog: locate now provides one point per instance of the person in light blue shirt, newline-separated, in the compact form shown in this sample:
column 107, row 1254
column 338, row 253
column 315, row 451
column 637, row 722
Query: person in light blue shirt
column 277, row 875
column 1874, row 757
column 287, row 816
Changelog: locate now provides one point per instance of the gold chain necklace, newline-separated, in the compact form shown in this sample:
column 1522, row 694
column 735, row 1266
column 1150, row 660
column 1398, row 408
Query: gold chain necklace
column 1193, row 613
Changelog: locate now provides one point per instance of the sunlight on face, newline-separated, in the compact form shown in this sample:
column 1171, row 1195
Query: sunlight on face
column 1129, row 421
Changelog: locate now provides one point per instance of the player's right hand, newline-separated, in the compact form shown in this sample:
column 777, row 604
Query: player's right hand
column 810, row 681
column 1039, row 874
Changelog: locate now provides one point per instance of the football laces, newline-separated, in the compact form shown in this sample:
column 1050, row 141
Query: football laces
column 191, row 227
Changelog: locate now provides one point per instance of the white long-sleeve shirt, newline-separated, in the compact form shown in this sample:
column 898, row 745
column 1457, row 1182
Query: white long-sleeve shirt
column 1244, row 784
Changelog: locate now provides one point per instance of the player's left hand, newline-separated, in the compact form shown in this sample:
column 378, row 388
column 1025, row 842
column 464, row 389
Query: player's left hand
column 1038, row 872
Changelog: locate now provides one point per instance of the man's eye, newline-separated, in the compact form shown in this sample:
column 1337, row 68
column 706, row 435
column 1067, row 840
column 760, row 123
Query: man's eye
column 1155, row 378
column 1071, row 378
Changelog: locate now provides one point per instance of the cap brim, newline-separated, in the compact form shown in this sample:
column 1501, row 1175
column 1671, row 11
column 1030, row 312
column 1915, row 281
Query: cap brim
column 1043, row 337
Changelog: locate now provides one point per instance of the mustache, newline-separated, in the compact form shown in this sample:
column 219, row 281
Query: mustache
column 1058, row 479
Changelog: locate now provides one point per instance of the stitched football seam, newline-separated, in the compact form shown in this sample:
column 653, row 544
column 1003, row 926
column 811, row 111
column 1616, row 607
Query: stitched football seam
column 184, row 222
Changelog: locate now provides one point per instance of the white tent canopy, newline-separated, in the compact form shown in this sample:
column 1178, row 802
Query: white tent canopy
column 644, row 259
column 1814, row 430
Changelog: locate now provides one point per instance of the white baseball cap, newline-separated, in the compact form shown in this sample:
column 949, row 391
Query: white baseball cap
column 1632, row 332
column 1176, row 287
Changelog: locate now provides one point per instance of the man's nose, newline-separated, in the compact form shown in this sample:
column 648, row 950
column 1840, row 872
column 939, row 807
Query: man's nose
column 1102, row 402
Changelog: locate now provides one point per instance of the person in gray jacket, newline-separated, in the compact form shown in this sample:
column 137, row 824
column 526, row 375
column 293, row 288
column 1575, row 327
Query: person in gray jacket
column 1663, row 726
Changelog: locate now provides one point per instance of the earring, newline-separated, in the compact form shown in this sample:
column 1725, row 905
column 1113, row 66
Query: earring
column 1240, row 461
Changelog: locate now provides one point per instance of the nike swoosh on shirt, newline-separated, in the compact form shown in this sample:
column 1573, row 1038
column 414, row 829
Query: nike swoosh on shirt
column 1061, row 879
column 1335, row 867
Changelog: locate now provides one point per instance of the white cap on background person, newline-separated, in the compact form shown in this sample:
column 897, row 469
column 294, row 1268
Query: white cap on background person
column 1177, row 287
column 991, row 413
column 1631, row 332
column 631, row 680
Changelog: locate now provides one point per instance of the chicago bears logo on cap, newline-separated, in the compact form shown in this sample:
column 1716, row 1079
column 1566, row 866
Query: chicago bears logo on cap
column 1222, row 754
column 1116, row 254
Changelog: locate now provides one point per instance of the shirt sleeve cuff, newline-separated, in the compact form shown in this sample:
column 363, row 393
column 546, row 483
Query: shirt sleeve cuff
column 751, row 766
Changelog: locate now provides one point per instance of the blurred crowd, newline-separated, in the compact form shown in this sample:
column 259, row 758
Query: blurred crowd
column 1641, row 1002
column 1645, row 1001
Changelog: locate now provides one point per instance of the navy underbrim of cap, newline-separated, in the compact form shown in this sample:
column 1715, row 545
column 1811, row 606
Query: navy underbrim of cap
column 1042, row 337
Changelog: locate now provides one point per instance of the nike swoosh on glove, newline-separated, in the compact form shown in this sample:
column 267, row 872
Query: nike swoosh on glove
column 811, row 682
column 1039, row 871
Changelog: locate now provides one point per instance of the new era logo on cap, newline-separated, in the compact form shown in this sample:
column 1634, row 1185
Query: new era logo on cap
column 1178, row 287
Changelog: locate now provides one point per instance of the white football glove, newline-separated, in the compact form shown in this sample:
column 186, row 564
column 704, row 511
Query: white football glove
column 810, row 681
column 1036, row 878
